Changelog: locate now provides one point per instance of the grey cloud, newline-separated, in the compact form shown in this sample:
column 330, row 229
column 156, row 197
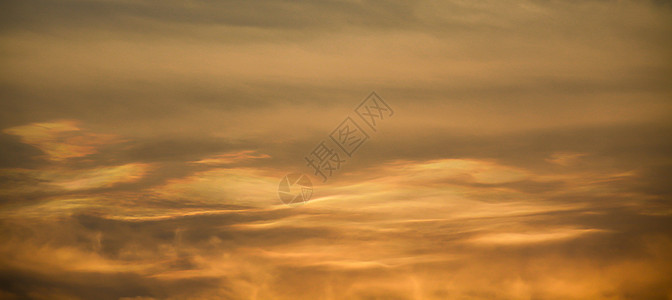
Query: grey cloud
column 263, row 14
column 14, row 154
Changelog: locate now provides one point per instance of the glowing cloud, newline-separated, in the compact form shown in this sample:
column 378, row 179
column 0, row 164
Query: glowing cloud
column 99, row 177
column 237, row 186
column 467, row 170
column 565, row 158
column 62, row 179
column 518, row 238
column 229, row 158
column 60, row 140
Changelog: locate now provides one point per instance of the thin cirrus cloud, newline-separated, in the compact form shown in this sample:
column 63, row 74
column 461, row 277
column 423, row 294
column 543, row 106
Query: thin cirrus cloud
column 228, row 158
column 61, row 140
column 142, row 145
column 228, row 203
column 63, row 179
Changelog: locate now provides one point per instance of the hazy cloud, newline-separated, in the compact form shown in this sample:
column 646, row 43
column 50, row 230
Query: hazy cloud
column 142, row 145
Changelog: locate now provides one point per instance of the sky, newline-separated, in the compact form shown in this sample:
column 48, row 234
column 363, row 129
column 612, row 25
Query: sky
column 522, row 149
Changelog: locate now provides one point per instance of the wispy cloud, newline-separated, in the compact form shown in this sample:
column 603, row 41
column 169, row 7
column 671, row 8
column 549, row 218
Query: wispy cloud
column 229, row 158
column 142, row 146
column 61, row 140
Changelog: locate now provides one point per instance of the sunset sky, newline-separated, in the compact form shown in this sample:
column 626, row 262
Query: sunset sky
column 142, row 144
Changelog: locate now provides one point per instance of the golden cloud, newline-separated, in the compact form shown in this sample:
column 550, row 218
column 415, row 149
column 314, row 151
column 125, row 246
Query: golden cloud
column 61, row 140
column 229, row 158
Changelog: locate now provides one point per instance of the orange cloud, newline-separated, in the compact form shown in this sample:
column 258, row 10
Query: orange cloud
column 229, row 158
column 241, row 186
column 518, row 238
column 55, row 180
column 99, row 177
column 468, row 170
column 564, row 158
column 61, row 140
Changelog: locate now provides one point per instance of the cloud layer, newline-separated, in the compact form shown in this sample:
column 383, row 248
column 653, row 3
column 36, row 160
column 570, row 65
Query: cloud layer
column 142, row 145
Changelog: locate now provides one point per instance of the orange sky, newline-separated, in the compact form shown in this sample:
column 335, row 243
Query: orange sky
column 142, row 145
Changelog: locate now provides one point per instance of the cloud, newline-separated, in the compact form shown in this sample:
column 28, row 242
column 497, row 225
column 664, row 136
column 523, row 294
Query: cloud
column 143, row 145
column 531, row 237
column 564, row 158
column 476, row 171
column 235, row 186
column 61, row 140
column 228, row 158
column 97, row 178
column 59, row 180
